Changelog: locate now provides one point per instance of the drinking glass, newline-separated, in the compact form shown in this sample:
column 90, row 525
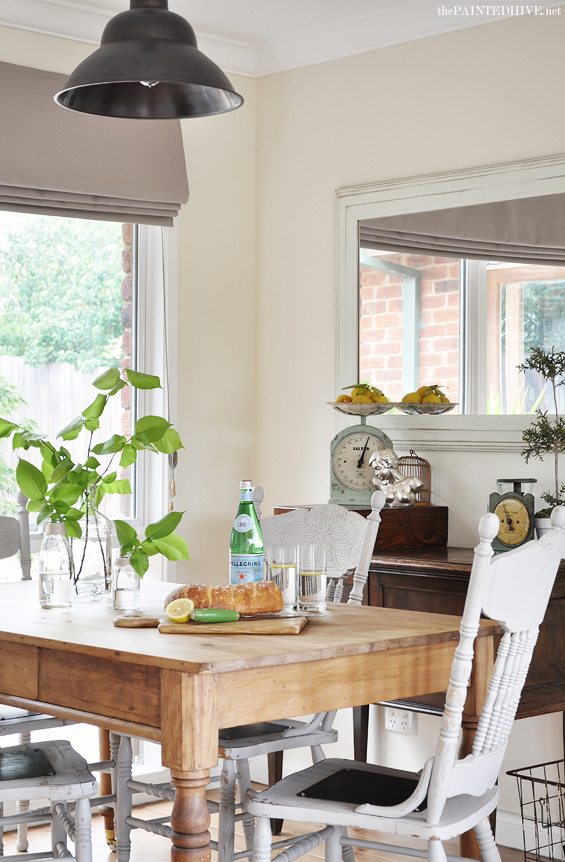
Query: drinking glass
column 281, row 569
column 312, row 578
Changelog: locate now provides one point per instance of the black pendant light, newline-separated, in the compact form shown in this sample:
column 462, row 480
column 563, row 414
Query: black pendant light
column 148, row 67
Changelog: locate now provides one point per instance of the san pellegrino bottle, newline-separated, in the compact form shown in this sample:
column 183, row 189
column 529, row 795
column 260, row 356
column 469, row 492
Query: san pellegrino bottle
column 246, row 542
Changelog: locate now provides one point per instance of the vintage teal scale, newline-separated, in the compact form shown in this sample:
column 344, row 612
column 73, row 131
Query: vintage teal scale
column 351, row 474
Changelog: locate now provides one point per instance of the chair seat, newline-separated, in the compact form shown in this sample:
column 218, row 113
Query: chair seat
column 240, row 743
column 67, row 776
column 289, row 799
column 14, row 720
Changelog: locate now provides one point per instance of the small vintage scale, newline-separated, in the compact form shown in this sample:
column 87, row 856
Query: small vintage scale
column 515, row 507
column 351, row 475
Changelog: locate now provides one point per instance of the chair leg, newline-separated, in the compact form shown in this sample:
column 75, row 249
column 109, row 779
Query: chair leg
column 244, row 784
column 83, row 843
column 115, row 756
column 360, row 732
column 436, row 853
column 58, row 831
column 124, row 801
column 333, row 846
column 487, row 844
column 275, row 764
column 1, row 831
column 22, row 805
column 262, row 842
column 227, row 812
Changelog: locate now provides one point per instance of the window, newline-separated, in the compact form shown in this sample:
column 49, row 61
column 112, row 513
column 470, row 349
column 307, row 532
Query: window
column 413, row 326
column 67, row 312
column 127, row 296
column 409, row 322
column 535, row 182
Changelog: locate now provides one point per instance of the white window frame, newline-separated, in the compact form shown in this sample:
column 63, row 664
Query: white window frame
column 510, row 181
column 155, row 260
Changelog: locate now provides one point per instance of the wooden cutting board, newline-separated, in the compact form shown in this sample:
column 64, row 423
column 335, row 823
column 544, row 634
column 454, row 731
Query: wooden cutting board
column 282, row 626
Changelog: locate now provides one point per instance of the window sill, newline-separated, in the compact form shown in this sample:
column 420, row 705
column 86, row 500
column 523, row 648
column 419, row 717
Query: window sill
column 455, row 433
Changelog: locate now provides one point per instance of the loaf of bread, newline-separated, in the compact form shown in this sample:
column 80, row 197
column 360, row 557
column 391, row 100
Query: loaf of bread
column 260, row 597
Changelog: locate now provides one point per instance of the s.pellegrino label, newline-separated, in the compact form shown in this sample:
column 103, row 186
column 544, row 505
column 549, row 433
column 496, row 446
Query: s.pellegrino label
column 246, row 542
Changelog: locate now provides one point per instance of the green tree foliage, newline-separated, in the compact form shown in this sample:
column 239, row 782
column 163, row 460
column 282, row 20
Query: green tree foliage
column 60, row 290
column 10, row 402
column 546, row 435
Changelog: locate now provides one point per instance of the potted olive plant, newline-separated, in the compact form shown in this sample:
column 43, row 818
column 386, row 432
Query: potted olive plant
column 69, row 491
column 546, row 434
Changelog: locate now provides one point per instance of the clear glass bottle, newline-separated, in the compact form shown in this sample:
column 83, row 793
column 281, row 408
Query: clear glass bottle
column 92, row 553
column 246, row 542
column 125, row 585
column 55, row 568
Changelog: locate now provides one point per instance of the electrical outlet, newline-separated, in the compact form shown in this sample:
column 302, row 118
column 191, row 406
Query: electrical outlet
column 400, row 720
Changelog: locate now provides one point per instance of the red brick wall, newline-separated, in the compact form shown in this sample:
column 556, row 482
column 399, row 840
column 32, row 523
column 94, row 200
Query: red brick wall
column 380, row 325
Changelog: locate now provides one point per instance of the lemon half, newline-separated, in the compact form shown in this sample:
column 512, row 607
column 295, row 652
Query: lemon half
column 179, row 610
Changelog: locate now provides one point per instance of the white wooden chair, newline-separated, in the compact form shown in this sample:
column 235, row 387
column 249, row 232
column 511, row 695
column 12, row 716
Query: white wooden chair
column 53, row 771
column 14, row 537
column 348, row 537
column 449, row 796
column 236, row 745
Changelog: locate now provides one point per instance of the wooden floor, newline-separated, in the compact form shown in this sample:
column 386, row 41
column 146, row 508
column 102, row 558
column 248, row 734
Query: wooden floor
column 151, row 848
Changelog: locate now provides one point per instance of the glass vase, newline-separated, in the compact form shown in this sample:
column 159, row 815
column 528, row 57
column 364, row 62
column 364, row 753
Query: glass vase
column 92, row 553
column 55, row 568
column 125, row 585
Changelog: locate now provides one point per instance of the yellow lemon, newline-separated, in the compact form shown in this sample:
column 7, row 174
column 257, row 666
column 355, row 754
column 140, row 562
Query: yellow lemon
column 379, row 398
column 360, row 390
column 423, row 389
column 432, row 398
column 344, row 399
column 179, row 610
column 444, row 399
column 411, row 397
column 361, row 399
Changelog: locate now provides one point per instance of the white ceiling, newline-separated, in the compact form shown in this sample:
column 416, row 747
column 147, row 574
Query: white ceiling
column 257, row 37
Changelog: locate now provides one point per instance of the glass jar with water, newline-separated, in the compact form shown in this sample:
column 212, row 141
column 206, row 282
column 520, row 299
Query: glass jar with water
column 55, row 568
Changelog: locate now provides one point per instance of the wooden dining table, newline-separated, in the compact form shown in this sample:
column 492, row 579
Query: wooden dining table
column 180, row 689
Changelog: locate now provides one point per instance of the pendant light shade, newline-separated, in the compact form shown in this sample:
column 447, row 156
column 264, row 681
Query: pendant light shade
column 148, row 67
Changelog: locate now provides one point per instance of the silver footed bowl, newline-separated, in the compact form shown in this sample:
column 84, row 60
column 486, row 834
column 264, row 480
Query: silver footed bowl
column 361, row 409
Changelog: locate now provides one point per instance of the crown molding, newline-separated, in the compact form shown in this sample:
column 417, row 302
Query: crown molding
column 399, row 23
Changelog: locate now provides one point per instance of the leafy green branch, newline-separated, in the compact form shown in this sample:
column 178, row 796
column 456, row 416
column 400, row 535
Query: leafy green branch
column 63, row 490
column 546, row 435
column 160, row 538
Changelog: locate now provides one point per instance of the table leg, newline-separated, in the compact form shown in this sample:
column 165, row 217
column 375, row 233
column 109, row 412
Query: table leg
column 189, row 745
column 190, row 818
column 480, row 675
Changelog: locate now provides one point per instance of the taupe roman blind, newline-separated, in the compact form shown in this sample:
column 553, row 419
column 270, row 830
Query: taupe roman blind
column 528, row 230
column 59, row 162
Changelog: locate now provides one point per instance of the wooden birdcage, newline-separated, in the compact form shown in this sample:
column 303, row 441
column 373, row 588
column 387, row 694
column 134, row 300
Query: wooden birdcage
column 414, row 465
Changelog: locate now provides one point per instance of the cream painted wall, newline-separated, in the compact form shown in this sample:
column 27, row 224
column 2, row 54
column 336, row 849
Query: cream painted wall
column 215, row 332
column 475, row 97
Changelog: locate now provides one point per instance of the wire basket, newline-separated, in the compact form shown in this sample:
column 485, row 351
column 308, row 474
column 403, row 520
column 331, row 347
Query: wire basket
column 414, row 465
column 541, row 789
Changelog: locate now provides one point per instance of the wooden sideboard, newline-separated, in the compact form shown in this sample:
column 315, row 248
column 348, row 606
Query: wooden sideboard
column 436, row 579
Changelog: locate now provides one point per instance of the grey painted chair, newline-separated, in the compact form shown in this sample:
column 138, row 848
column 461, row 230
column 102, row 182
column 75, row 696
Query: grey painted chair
column 14, row 538
column 53, row 771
